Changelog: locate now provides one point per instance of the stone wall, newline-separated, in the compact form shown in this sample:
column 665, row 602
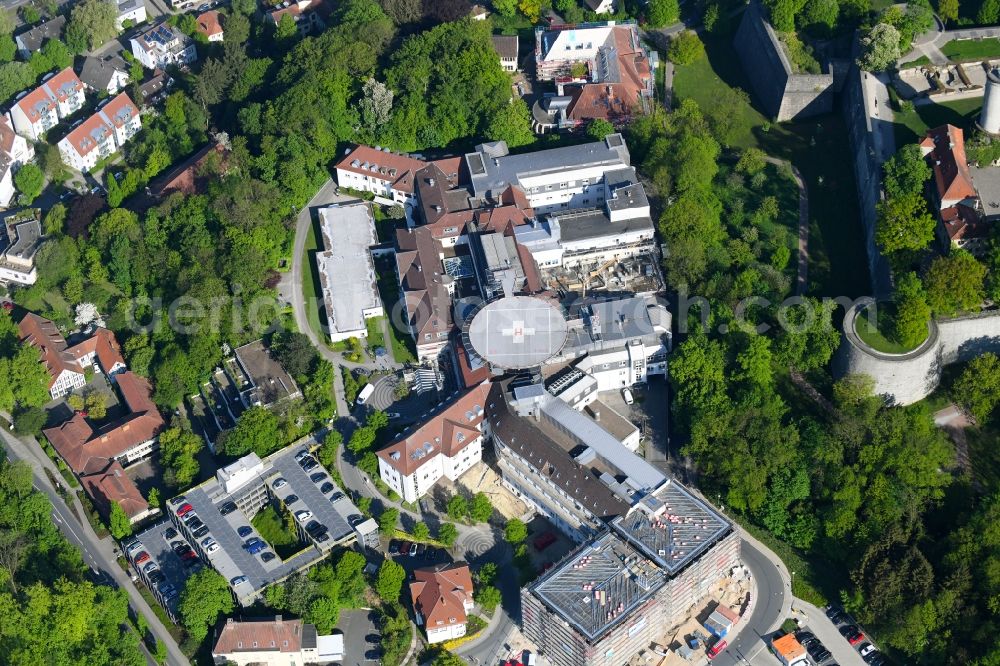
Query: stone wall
column 867, row 173
column 907, row 378
column 783, row 94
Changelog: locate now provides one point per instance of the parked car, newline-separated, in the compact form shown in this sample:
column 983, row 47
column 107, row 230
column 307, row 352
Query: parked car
column 170, row 533
column 212, row 548
column 326, row 487
column 421, row 549
column 300, row 455
column 356, row 520
column 156, row 577
column 545, row 540
column 244, row 531
column 814, row 647
column 141, row 558
column 866, row 649
column 305, row 460
column 150, row 567
column 310, row 465
column 393, row 547
column 180, row 548
column 413, row 550
column 254, row 546
column 717, row 648
column 803, row 635
column 317, row 477
column 238, row 580
column 404, row 547
column 279, row 483
column 394, row 415
column 627, row 396
column 184, row 510
column 821, row 656
column 337, row 496
column 227, row 508
column 267, row 557
column 207, row 541
column 165, row 590
column 303, row 516
column 854, row 636
column 189, row 517
column 200, row 532
column 291, row 499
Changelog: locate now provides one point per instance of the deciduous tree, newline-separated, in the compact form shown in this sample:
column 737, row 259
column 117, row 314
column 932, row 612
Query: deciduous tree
column 390, row 581
column 685, row 48
column 206, row 596
column 912, row 311
column 978, row 387
column 120, row 526
column 954, row 283
column 880, row 48
column 91, row 24
column 515, row 531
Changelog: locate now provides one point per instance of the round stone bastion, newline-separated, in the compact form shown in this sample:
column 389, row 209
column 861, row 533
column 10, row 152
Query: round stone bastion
column 904, row 379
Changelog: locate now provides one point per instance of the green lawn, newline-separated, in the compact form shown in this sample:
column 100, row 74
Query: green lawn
column 403, row 348
column 922, row 60
column 375, row 337
column 818, row 147
column 879, row 336
column 270, row 524
column 912, row 125
column 962, row 50
column 311, row 285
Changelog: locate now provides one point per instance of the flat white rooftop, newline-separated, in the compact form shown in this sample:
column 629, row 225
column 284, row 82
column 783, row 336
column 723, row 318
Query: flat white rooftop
column 346, row 270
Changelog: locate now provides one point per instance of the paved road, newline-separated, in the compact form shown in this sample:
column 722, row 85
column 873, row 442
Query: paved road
column 96, row 553
column 773, row 595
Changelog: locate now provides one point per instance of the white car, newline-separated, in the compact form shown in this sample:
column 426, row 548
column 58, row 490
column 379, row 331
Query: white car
column 303, row 516
column 238, row 581
column 280, row 483
column 867, row 649
column 627, row 395
column 211, row 548
column 300, row 455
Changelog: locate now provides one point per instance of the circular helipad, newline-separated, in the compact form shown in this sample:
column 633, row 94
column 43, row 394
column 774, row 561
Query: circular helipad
column 517, row 332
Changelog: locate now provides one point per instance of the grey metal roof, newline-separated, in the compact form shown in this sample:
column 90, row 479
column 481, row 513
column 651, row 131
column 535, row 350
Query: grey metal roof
column 346, row 269
column 672, row 527
column 598, row 585
column 643, row 476
column 27, row 236
column 97, row 71
column 33, row 39
column 611, row 320
column 493, row 174
column 587, row 223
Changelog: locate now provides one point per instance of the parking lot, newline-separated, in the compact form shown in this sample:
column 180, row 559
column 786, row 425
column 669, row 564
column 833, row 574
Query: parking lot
column 226, row 504
column 837, row 641
column 158, row 542
column 360, row 635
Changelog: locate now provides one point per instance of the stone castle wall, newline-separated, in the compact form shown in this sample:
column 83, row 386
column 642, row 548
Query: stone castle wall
column 783, row 94
column 907, row 378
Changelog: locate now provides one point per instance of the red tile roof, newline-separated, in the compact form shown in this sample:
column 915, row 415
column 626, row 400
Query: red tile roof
column 209, row 23
column 949, row 163
column 105, row 345
column 395, row 168
column 44, row 334
column 278, row 635
column 83, row 447
column 88, row 135
column 64, row 84
column 113, row 485
column 620, row 100
column 7, row 135
column 120, row 110
column 440, row 593
column 448, row 432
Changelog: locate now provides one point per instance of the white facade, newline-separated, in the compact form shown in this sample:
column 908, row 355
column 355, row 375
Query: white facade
column 579, row 44
column 6, row 191
column 67, row 381
column 572, row 187
column 130, row 10
column 160, row 46
column 34, row 129
column 445, row 633
column 602, row 6
column 49, row 107
column 627, row 365
column 100, row 136
column 414, row 486
column 380, row 187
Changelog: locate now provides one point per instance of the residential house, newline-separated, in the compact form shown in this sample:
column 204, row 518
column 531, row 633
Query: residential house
column 102, row 134
column 113, row 485
column 210, row 25
column 966, row 198
column 260, row 378
column 442, row 600
column 66, row 364
column 192, row 175
column 38, row 111
column 130, row 12
column 601, row 6
column 106, row 74
column 308, row 15
column 478, row 13
column 32, row 40
column 156, row 88
column 447, row 445
column 89, row 450
column 14, row 151
column 506, row 48
column 161, row 45
column 600, row 71
column 277, row 642
column 18, row 248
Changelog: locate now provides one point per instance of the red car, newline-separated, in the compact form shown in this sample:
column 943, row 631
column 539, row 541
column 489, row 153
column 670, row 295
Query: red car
column 856, row 638
column 716, row 649
column 544, row 541
column 140, row 558
column 184, row 510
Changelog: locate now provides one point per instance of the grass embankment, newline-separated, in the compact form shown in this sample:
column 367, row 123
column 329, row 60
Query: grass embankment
column 878, row 334
column 311, row 289
column 403, row 349
column 912, row 124
column 820, row 150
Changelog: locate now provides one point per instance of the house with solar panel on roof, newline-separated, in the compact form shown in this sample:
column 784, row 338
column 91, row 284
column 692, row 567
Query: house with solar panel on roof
column 161, row 45
column 101, row 135
column 36, row 112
